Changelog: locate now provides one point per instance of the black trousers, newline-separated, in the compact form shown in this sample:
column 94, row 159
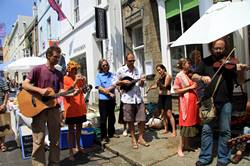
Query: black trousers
column 107, row 114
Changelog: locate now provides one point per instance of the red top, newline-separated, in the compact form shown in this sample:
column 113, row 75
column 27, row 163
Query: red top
column 188, row 108
column 74, row 106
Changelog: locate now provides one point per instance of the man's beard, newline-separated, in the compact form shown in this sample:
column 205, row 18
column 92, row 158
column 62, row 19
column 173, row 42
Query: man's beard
column 219, row 55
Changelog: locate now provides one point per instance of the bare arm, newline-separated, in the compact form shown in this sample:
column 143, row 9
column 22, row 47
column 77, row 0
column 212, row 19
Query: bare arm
column 107, row 90
column 28, row 86
column 241, row 68
column 3, row 106
column 205, row 79
column 154, row 86
column 186, row 89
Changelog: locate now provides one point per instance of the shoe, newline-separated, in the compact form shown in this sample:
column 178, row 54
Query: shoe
column 125, row 133
column 105, row 140
column 3, row 147
column 198, row 163
column 114, row 136
column 221, row 164
column 236, row 158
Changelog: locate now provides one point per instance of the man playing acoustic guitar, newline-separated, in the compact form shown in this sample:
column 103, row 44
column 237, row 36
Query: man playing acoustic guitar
column 39, row 80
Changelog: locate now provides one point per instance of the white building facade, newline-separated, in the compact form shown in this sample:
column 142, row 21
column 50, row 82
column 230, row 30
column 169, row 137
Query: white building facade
column 48, row 26
column 15, row 42
column 79, row 42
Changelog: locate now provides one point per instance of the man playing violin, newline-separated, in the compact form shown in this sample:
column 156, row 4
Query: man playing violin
column 133, row 107
column 38, row 80
column 222, row 100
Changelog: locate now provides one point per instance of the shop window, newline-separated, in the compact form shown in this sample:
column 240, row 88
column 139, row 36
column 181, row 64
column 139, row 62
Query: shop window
column 175, row 31
column 81, row 59
column 49, row 28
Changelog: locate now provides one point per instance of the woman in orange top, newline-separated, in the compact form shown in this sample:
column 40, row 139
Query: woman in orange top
column 74, row 106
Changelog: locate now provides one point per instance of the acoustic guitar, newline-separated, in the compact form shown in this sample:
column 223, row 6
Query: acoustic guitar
column 128, row 87
column 32, row 103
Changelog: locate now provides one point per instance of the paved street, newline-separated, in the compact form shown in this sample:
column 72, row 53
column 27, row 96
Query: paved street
column 162, row 151
column 94, row 156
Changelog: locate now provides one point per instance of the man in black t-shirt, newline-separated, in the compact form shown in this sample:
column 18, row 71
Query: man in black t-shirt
column 222, row 99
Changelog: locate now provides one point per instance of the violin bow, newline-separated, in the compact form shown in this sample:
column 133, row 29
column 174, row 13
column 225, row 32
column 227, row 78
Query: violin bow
column 223, row 63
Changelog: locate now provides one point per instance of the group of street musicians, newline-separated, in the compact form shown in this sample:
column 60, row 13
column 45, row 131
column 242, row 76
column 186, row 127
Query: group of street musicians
column 218, row 63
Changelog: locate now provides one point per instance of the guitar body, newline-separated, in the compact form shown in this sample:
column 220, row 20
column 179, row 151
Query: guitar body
column 128, row 87
column 31, row 103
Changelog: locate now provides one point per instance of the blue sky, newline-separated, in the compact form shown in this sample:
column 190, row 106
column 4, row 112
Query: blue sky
column 10, row 9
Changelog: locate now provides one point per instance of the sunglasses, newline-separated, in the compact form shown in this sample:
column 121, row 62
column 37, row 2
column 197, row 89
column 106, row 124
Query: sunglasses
column 105, row 65
column 131, row 60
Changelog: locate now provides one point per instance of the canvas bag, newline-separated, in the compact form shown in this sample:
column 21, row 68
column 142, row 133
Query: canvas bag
column 207, row 110
column 5, row 124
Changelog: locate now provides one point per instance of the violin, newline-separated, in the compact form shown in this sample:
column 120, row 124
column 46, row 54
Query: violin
column 229, row 63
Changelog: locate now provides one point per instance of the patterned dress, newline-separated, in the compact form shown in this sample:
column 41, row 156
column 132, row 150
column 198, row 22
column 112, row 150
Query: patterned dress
column 188, row 107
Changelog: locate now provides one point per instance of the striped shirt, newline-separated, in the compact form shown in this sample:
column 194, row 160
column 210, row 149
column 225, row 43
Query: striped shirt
column 3, row 89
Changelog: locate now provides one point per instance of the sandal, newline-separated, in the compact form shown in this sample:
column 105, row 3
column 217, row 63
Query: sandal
column 72, row 158
column 143, row 143
column 80, row 150
column 134, row 145
column 3, row 147
column 236, row 158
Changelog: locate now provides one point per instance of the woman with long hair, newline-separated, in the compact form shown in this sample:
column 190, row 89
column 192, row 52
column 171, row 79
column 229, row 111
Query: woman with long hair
column 165, row 98
column 106, row 90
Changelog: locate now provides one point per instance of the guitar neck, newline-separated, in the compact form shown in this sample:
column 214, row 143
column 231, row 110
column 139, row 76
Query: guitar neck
column 71, row 90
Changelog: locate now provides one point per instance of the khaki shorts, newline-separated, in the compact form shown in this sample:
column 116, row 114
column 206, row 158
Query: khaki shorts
column 134, row 112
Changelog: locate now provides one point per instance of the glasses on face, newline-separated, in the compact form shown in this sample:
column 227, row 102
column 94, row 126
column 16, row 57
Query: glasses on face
column 105, row 65
column 218, row 49
column 131, row 61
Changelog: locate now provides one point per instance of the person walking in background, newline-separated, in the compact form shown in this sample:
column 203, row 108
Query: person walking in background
column 195, row 57
column 133, row 106
column 188, row 108
column 106, row 105
column 165, row 98
column 74, row 106
column 4, row 95
column 219, row 50
column 39, row 79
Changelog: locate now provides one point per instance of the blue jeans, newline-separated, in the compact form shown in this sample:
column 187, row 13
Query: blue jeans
column 224, row 118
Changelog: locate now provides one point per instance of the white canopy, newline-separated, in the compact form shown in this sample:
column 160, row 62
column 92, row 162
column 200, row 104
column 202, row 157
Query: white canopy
column 219, row 20
column 25, row 64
